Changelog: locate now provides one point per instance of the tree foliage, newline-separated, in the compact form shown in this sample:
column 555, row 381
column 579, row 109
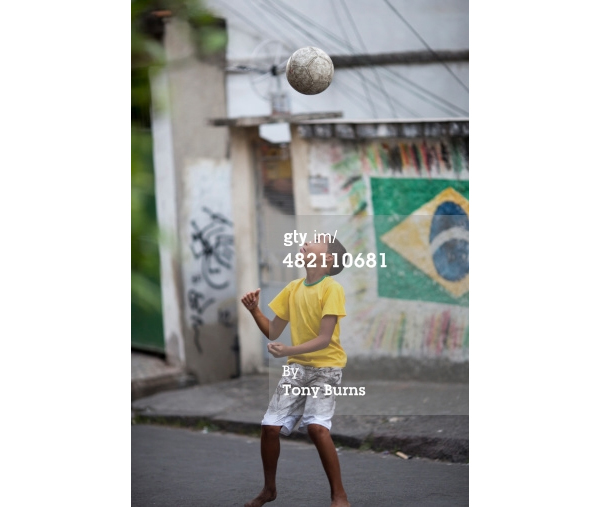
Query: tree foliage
column 148, row 19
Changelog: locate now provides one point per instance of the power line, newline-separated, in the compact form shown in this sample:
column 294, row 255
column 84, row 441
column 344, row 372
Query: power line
column 362, row 78
column 425, row 43
column 356, row 94
column 346, row 45
column 424, row 98
column 259, row 30
column 424, row 90
column 360, row 40
column 312, row 37
column 343, row 44
column 380, row 99
column 349, row 46
column 351, row 90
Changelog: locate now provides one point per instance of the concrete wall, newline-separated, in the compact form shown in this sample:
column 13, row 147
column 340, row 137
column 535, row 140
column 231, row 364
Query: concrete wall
column 166, row 188
column 197, row 93
column 410, row 318
column 195, row 212
column 208, row 264
column 244, row 195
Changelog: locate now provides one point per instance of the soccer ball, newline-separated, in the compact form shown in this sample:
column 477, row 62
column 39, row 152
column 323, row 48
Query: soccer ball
column 309, row 70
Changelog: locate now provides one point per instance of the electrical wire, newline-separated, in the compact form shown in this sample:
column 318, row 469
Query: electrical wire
column 424, row 90
column 362, row 78
column 366, row 52
column 260, row 33
column 348, row 88
column 310, row 38
column 313, row 37
column 259, row 30
column 405, row 79
column 343, row 44
column 441, row 107
column 340, row 84
column 346, row 45
column 425, row 43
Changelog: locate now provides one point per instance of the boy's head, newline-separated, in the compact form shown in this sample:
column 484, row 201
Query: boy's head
column 325, row 244
column 336, row 247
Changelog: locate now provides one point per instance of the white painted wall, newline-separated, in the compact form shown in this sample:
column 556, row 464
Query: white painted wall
column 208, row 268
column 369, row 316
column 166, row 211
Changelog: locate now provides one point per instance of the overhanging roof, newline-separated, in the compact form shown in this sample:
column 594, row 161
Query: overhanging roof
column 331, row 124
column 254, row 121
column 385, row 128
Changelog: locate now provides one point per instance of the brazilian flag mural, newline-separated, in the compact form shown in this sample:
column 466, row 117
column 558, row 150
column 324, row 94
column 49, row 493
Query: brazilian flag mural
column 422, row 226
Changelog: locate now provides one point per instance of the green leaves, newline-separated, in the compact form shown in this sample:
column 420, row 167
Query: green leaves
column 147, row 53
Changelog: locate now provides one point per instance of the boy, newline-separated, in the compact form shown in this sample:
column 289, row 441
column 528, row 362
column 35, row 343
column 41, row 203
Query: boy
column 313, row 305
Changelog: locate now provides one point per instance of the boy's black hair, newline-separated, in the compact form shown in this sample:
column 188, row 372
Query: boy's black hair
column 337, row 248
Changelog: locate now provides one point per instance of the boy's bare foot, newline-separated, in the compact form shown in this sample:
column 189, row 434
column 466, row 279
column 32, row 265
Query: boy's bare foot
column 340, row 502
column 266, row 495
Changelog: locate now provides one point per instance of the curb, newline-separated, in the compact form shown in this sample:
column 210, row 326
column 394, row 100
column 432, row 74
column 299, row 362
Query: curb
column 147, row 386
column 453, row 450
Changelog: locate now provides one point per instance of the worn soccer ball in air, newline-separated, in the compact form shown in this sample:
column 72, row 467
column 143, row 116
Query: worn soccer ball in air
column 309, row 70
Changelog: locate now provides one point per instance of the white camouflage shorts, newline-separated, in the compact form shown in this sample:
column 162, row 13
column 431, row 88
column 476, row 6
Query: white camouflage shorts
column 286, row 410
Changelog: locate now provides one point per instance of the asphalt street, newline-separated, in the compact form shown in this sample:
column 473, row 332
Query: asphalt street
column 181, row 467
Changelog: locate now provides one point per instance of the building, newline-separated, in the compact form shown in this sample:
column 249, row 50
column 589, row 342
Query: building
column 384, row 145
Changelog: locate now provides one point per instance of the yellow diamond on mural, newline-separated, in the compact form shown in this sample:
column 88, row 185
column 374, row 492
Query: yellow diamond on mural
column 435, row 238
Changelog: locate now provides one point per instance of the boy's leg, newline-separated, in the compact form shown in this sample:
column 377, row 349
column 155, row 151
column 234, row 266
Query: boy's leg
column 281, row 417
column 316, row 419
column 322, row 439
column 269, row 451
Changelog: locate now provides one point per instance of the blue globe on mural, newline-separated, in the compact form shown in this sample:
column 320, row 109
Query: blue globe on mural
column 449, row 241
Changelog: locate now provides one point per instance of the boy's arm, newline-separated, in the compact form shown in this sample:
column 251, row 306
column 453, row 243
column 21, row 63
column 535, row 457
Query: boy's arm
column 320, row 342
column 271, row 329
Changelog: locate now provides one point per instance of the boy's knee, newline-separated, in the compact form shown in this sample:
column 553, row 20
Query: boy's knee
column 316, row 431
column 271, row 431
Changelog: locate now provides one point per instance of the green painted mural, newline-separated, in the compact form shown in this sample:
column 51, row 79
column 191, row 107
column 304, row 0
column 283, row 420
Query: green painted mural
column 404, row 216
column 407, row 199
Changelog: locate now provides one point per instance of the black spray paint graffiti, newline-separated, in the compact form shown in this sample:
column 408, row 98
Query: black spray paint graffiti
column 198, row 305
column 213, row 247
column 226, row 318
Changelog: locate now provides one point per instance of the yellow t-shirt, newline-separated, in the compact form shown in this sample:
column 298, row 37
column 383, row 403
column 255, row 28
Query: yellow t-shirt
column 304, row 307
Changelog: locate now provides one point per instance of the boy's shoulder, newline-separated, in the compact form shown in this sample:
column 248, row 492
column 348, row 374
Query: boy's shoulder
column 332, row 282
column 325, row 284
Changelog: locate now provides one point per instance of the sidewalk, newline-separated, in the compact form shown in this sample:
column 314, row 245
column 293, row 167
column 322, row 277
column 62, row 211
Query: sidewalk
column 420, row 419
column 151, row 374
